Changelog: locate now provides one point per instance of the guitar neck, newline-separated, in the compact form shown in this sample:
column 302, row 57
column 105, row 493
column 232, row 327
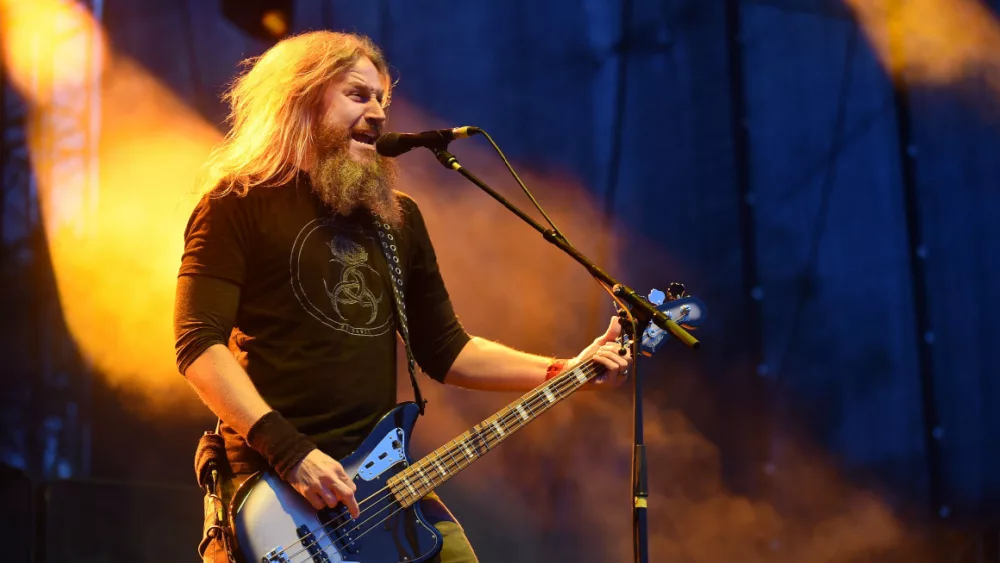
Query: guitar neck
column 411, row 484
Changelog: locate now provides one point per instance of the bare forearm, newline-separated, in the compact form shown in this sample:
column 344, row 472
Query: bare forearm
column 489, row 366
column 225, row 387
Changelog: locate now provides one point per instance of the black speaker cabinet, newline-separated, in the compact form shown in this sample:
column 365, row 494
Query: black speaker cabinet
column 91, row 521
column 17, row 517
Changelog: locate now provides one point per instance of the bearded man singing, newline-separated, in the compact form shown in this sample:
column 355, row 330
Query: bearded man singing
column 285, row 314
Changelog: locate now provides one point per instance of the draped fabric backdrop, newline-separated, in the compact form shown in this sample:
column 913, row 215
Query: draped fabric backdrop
column 843, row 235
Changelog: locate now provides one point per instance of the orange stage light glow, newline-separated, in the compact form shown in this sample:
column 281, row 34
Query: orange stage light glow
column 934, row 42
column 115, row 156
column 35, row 49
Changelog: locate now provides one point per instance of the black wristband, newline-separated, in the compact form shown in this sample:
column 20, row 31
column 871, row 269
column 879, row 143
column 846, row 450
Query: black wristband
column 279, row 442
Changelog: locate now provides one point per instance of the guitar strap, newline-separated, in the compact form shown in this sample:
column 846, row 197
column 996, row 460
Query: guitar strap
column 388, row 242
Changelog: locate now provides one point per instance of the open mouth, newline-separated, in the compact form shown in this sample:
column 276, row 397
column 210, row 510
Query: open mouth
column 364, row 138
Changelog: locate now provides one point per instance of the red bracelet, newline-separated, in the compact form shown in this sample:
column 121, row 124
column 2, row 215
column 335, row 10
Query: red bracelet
column 554, row 369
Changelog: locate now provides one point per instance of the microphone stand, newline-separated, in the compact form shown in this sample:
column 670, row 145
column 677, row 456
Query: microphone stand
column 642, row 311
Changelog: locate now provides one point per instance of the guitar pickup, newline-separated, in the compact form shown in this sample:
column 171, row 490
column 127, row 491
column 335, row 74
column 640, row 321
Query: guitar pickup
column 341, row 528
column 311, row 544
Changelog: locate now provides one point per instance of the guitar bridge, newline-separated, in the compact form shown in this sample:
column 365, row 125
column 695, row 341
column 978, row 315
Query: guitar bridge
column 276, row 555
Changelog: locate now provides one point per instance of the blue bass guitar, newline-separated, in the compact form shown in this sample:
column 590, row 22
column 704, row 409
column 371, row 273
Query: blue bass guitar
column 273, row 523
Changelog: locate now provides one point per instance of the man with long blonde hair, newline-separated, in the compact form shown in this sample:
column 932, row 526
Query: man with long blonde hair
column 284, row 316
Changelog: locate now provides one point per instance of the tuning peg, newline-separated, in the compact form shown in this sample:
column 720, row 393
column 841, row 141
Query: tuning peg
column 656, row 297
column 676, row 291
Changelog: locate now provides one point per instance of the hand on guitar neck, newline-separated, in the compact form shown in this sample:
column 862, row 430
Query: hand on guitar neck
column 323, row 482
column 605, row 350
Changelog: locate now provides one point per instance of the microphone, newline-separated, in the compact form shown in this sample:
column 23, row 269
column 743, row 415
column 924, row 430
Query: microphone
column 395, row 144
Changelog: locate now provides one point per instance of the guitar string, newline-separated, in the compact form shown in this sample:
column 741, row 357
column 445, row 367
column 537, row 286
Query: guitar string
column 558, row 383
column 328, row 535
column 589, row 366
column 450, row 450
column 451, row 447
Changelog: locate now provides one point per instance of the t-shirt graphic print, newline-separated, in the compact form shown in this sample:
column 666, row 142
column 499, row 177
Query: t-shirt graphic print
column 349, row 295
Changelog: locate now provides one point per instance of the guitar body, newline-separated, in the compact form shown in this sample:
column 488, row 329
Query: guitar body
column 274, row 523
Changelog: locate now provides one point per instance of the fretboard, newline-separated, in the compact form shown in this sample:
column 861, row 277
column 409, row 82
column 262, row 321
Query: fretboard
column 434, row 469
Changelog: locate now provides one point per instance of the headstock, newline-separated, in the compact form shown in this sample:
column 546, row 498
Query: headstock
column 679, row 307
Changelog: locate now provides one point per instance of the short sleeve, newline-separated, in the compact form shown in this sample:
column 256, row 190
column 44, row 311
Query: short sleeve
column 436, row 334
column 216, row 240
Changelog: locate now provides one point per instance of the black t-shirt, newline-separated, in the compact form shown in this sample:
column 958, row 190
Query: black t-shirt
column 315, row 326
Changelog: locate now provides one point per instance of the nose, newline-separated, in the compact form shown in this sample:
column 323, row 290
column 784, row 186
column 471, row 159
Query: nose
column 375, row 113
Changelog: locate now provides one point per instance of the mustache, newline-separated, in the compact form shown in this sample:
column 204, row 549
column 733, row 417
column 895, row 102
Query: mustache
column 345, row 184
column 333, row 139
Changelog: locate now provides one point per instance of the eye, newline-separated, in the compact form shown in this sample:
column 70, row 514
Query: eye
column 356, row 96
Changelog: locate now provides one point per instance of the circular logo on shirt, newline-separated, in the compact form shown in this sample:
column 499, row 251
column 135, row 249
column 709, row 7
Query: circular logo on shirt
column 335, row 281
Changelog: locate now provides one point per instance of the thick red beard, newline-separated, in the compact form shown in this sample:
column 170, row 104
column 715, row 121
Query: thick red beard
column 346, row 184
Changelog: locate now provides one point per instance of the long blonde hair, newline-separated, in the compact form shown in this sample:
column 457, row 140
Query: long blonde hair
column 275, row 106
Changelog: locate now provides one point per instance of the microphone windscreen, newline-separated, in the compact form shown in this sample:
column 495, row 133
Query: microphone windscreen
column 388, row 145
